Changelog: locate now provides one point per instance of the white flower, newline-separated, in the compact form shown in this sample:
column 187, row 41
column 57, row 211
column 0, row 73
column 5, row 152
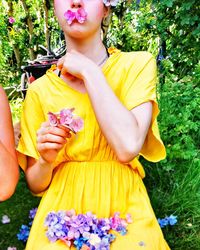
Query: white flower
column 110, row 2
column 94, row 239
column 5, row 219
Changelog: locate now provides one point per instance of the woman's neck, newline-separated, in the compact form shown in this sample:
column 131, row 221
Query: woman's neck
column 93, row 48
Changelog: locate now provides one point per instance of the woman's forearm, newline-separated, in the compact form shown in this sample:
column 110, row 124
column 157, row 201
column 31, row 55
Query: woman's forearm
column 118, row 124
column 39, row 175
column 9, row 173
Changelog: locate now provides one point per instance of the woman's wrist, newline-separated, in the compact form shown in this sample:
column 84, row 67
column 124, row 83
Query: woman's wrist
column 43, row 163
column 91, row 74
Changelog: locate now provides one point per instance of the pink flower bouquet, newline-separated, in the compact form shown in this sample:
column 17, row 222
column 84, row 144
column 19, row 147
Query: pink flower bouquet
column 66, row 118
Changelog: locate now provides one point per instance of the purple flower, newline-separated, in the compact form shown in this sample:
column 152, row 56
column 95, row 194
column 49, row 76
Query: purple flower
column 110, row 2
column 84, row 231
column 32, row 213
column 78, row 225
column 57, row 227
column 55, row 232
column 11, row 19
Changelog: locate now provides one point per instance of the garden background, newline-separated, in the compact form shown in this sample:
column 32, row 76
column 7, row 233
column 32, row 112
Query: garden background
column 170, row 30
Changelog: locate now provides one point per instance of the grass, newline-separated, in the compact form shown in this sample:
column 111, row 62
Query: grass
column 17, row 208
column 177, row 192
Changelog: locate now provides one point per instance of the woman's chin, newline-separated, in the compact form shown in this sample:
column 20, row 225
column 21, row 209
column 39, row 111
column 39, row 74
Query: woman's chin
column 77, row 31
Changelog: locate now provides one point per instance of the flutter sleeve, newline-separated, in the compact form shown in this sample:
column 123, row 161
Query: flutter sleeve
column 31, row 119
column 140, row 87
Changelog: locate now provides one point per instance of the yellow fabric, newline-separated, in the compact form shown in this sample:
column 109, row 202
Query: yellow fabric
column 89, row 177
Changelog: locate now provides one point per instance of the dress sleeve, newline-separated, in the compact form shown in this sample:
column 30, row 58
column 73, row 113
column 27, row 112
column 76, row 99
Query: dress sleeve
column 140, row 87
column 31, row 119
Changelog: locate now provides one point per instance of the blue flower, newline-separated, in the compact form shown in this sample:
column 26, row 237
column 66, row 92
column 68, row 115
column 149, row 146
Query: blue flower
column 23, row 233
column 172, row 220
column 79, row 242
column 163, row 222
column 168, row 220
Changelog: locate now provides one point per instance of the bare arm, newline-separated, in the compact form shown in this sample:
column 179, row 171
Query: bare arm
column 8, row 161
column 124, row 130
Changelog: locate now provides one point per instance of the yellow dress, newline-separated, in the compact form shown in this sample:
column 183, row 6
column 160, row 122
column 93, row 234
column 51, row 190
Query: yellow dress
column 89, row 176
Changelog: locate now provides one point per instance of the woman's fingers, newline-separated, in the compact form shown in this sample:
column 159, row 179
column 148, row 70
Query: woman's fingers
column 59, row 131
column 51, row 138
column 48, row 146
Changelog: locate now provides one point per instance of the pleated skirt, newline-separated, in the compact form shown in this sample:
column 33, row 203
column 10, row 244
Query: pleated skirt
column 102, row 188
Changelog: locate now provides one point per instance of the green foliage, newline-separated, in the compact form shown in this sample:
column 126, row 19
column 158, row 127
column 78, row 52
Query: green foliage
column 124, row 30
column 16, row 108
column 176, row 22
column 16, row 40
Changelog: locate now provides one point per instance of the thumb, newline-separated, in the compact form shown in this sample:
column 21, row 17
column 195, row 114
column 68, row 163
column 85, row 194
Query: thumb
column 60, row 63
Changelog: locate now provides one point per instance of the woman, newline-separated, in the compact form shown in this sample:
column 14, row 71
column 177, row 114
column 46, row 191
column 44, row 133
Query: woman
column 97, row 169
column 8, row 161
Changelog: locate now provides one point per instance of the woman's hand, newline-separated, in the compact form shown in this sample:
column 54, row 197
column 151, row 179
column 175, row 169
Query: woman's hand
column 50, row 140
column 75, row 64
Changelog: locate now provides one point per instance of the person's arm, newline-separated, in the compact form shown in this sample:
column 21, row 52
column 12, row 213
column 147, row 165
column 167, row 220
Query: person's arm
column 9, row 171
column 124, row 130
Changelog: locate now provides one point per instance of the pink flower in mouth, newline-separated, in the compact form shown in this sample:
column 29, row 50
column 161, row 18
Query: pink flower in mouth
column 76, row 125
column 80, row 15
column 69, row 16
